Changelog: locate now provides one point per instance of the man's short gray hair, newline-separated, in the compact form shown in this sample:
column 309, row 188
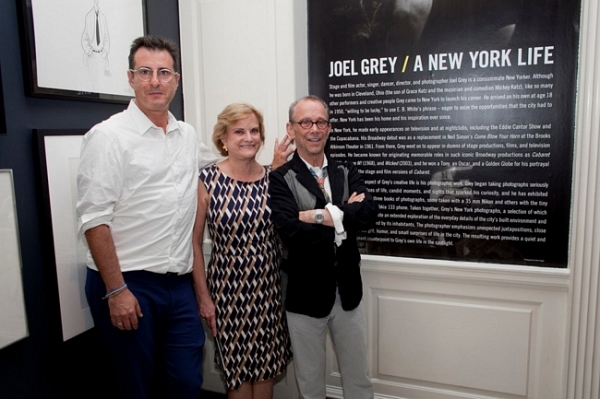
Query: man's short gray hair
column 310, row 97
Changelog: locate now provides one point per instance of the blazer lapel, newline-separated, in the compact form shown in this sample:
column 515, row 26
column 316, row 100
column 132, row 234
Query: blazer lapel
column 336, row 181
column 306, row 179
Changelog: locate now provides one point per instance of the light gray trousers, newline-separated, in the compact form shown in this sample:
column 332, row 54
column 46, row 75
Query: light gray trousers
column 348, row 331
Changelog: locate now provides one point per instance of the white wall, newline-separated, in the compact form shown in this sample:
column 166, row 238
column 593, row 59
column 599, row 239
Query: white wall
column 242, row 51
column 436, row 329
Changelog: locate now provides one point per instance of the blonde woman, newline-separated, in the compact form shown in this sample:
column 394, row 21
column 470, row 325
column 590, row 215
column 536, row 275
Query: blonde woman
column 242, row 301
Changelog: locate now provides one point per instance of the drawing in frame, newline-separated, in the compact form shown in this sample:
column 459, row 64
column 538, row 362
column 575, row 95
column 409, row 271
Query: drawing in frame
column 2, row 111
column 13, row 317
column 59, row 161
column 78, row 49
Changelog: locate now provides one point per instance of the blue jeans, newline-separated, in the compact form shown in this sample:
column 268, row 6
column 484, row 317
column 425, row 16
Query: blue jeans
column 166, row 349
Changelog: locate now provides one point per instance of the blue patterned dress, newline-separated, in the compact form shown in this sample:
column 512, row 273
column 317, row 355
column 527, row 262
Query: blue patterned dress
column 243, row 278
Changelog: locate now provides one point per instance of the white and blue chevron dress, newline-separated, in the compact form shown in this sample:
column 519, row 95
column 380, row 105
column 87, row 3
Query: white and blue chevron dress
column 244, row 281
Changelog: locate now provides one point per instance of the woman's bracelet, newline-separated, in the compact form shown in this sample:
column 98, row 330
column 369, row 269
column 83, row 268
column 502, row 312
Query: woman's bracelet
column 115, row 291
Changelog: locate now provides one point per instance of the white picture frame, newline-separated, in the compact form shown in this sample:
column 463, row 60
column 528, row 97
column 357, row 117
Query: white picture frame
column 59, row 161
column 13, row 316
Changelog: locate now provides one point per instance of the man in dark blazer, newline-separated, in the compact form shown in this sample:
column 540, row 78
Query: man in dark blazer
column 319, row 205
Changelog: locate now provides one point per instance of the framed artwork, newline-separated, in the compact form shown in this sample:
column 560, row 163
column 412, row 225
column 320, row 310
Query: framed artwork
column 59, row 161
column 13, row 318
column 2, row 111
column 78, row 49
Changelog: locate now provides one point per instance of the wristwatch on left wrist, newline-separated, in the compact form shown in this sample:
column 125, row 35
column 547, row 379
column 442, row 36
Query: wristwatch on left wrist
column 319, row 216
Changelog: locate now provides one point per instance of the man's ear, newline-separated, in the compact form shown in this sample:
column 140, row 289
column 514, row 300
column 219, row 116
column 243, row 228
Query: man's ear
column 130, row 78
column 289, row 130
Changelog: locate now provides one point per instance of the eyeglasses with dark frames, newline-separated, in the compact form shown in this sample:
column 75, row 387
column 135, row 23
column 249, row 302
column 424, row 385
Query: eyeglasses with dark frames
column 307, row 123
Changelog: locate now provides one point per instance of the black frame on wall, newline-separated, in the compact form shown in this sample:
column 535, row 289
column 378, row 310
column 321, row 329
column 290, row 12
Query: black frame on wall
column 31, row 65
column 442, row 203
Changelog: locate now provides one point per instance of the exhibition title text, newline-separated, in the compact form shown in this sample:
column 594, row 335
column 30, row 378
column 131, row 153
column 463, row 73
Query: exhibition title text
column 444, row 61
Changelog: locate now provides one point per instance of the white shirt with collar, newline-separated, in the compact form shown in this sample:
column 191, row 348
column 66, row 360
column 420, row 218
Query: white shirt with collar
column 142, row 184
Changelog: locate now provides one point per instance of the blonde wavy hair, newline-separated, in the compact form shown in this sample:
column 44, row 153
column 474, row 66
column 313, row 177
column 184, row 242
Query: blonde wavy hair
column 230, row 115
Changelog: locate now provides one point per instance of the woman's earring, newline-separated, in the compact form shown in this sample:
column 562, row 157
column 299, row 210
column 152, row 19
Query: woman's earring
column 225, row 147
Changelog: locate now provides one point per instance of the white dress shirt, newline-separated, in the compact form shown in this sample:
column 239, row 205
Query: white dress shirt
column 142, row 184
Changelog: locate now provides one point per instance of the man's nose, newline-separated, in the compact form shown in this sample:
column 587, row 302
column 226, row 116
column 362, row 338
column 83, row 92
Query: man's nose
column 154, row 78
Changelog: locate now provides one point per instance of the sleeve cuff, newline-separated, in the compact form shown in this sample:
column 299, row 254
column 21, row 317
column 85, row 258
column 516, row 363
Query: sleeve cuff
column 90, row 221
column 338, row 217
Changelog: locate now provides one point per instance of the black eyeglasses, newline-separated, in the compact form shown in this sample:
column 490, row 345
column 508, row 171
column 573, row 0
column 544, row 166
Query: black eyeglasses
column 307, row 123
column 145, row 74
